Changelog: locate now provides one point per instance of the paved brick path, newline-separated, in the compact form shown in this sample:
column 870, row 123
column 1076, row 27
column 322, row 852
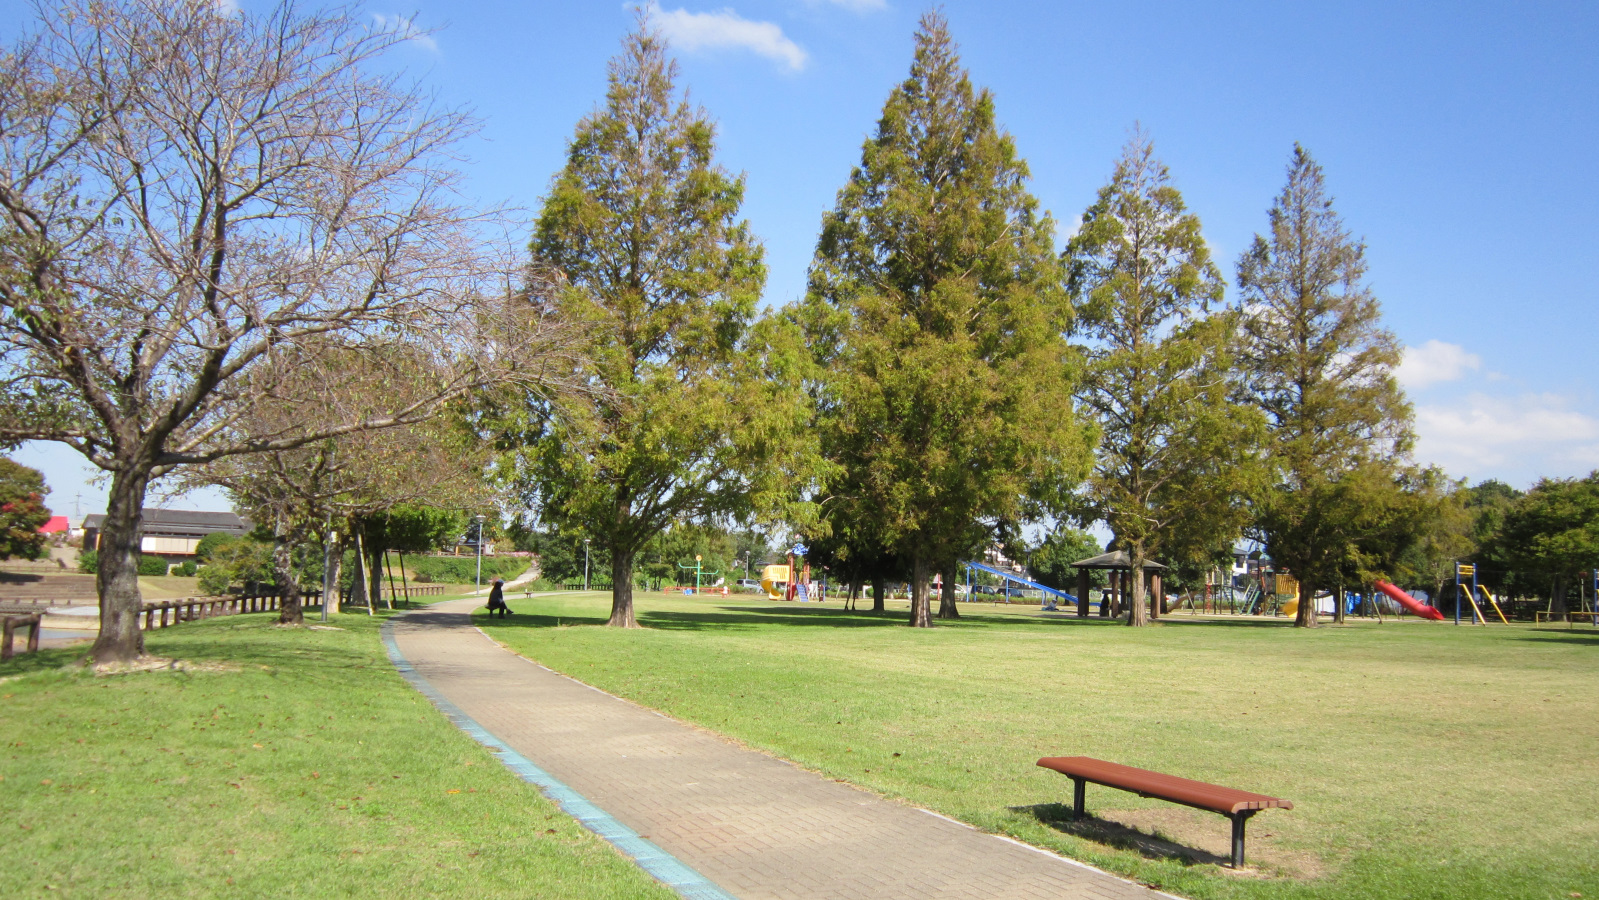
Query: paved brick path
column 756, row 826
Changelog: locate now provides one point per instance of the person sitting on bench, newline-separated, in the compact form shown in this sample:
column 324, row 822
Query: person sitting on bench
column 497, row 598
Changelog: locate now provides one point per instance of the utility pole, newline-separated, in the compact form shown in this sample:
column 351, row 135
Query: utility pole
column 586, row 564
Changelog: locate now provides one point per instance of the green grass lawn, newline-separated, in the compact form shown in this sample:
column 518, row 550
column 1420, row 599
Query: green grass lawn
column 1424, row 760
column 292, row 762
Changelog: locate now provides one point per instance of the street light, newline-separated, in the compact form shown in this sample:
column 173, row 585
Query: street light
column 585, row 564
column 480, row 552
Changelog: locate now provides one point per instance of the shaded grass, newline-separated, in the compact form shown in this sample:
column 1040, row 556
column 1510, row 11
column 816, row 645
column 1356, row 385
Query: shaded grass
column 1424, row 760
column 295, row 763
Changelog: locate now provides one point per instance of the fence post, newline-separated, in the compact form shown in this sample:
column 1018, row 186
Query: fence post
column 6, row 637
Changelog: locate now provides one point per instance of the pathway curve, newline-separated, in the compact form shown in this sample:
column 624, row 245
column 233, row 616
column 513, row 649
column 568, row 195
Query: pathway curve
column 756, row 827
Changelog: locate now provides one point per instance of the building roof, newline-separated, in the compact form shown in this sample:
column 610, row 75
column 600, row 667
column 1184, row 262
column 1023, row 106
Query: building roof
column 1116, row 559
column 181, row 521
column 56, row 524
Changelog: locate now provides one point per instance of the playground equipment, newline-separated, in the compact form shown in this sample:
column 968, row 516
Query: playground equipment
column 774, row 580
column 1409, row 602
column 699, row 571
column 1010, row 577
column 1494, row 603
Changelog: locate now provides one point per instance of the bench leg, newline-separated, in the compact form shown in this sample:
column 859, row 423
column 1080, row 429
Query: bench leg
column 1079, row 794
column 1239, row 818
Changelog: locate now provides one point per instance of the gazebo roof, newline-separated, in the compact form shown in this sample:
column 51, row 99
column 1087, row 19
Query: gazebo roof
column 1116, row 559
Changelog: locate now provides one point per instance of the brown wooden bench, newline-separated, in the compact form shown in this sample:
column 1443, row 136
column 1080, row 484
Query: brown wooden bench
column 1230, row 802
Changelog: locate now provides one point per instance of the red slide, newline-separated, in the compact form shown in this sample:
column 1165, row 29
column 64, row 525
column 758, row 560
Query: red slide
column 1409, row 602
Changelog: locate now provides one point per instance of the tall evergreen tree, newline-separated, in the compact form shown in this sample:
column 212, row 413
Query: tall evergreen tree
column 936, row 310
column 1320, row 366
column 688, row 422
column 1174, row 451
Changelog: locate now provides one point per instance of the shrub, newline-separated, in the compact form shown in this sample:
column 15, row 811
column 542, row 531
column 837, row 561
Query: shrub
column 187, row 569
column 463, row 569
column 212, row 544
column 89, row 562
column 215, row 580
column 152, row 565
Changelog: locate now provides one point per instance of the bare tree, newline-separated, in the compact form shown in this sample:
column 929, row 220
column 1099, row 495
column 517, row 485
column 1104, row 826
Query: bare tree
column 187, row 195
column 339, row 481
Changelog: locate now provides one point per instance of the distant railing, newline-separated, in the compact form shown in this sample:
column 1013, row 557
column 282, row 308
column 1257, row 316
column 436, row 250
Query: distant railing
column 347, row 597
column 191, row 609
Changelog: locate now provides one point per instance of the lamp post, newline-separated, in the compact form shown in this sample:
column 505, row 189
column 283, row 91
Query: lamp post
column 480, row 552
column 585, row 564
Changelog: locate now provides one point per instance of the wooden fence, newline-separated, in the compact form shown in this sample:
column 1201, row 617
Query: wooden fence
column 191, row 609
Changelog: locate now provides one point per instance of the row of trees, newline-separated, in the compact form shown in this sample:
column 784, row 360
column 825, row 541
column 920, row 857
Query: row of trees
column 233, row 248
column 948, row 375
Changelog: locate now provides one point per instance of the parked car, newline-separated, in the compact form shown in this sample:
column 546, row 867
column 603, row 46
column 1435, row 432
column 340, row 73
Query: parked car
column 750, row 583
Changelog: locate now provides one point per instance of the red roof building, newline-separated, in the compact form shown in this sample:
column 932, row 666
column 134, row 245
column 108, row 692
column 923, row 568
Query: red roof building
column 56, row 525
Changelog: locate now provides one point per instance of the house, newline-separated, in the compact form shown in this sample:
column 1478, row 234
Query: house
column 171, row 532
column 56, row 525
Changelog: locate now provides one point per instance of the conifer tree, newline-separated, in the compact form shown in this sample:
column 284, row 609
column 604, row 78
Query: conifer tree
column 1320, row 366
column 691, row 419
column 936, row 309
column 1174, row 451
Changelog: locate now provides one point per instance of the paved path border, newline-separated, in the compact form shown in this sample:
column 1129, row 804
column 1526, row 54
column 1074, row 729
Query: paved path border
column 665, row 867
column 693, row 808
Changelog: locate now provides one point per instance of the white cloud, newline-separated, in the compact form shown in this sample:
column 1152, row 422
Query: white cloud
column 406, row 29
column 1434, row 362
column 1515, row 439
column 717, row 30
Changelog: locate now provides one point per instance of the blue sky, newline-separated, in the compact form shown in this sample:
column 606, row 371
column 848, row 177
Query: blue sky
column 1457, row 139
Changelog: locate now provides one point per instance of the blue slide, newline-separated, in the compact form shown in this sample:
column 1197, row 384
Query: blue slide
column 1049, row 591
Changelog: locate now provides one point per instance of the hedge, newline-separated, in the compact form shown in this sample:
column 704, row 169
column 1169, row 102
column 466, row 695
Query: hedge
column 463, row 569
column 152, row 565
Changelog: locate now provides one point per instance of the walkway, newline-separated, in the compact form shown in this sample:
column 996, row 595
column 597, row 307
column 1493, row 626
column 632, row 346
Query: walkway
column 755, row 826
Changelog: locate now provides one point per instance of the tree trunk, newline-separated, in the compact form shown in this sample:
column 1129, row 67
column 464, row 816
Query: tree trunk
column 374, row 579
column 946, row 598
column 622, row 589
column 1138, row 604
column 117, row 577
column 1339, row 604
column 283, row 568
column 921, row 612
column 1305, row 616
column 363, row 574
column 879, row 589
column 1557, row 596
column 333, row 566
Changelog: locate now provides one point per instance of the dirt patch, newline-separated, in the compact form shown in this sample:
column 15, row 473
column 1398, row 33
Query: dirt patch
column 324, row 628
column 1187, row 835
column 163, row 664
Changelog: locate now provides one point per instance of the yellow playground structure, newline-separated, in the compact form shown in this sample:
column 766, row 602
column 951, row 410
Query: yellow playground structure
column 774, row 579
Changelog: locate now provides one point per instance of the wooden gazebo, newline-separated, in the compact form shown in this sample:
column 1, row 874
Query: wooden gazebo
column 1120, row 568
